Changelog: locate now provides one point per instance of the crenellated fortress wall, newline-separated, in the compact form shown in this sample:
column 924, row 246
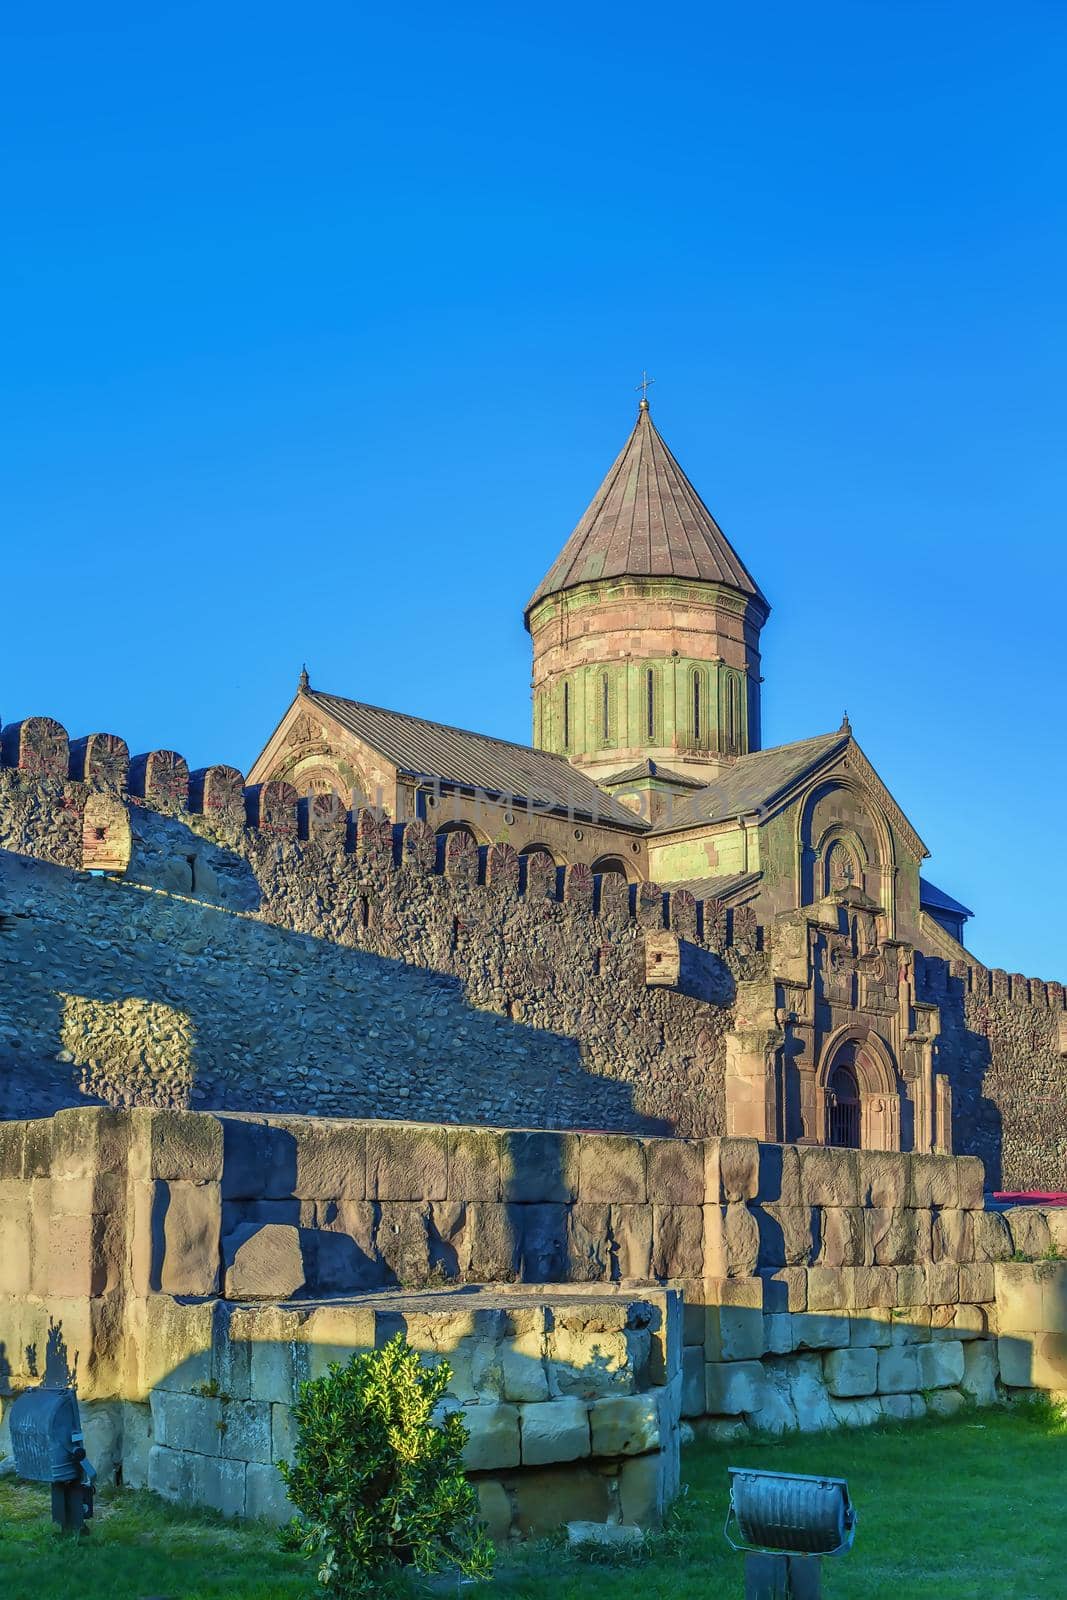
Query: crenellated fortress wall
column 176, row 937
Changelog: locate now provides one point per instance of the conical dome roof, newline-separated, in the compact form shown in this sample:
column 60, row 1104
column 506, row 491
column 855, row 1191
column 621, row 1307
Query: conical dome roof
column 646, row 520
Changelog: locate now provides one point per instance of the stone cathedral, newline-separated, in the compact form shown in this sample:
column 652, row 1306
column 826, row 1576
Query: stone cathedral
column 647, row 765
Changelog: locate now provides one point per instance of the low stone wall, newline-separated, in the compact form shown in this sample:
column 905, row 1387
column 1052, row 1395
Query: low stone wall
column 572, row 1402
column 148, row 1253
column 1032, row 1320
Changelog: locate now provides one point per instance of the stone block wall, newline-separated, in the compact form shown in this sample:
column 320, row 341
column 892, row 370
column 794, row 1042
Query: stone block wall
column 572, row 1404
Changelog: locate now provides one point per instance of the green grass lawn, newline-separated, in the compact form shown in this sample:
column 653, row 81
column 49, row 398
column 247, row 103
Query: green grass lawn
column 956, row 1510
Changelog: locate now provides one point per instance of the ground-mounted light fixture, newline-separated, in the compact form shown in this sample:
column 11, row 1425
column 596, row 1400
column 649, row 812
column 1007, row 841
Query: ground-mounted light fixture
column 47, row 1443
column 786, row 1523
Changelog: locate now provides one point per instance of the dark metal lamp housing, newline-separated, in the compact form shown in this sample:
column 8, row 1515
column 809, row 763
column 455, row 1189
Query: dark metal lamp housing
column 786, row 1523
column 47, row 1443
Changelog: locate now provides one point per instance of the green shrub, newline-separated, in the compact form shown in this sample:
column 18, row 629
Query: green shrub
column 379, row 1486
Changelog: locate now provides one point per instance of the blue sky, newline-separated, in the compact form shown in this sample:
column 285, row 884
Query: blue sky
column 321, row 326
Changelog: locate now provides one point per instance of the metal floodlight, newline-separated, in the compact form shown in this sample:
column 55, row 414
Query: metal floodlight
column 47, row 1443
column 787, row 1521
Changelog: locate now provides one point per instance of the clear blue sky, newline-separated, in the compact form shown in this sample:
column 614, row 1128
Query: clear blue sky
column 321, row 325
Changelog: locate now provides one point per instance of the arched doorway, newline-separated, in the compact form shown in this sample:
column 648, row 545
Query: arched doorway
column 857, row 1092
column 843, row 1107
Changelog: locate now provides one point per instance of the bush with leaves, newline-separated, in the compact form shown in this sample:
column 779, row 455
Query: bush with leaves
column 378, row 1483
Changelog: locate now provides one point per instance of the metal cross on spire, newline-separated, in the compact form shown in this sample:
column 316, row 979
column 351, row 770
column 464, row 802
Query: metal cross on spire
column 644, row 386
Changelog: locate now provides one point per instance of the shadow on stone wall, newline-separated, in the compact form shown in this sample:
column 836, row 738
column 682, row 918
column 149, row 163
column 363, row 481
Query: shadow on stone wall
column 113, row 992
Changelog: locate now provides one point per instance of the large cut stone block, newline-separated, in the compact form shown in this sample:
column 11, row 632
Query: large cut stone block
column 883, row 1179
column 731, row 1241
column 734, row 1387
column 494, row 1437
column 829, row 1177
column 979, row 1379
column 851, row 1372
column 739, row 1169
column 406, row 1163
column 1030, row 1233
column 970, row 1176
column 191, row 1228
column 940, row 1364
column 787, row 1234
column 693, row 1381
column 265, row 1495
column 734, row 1330
column 613, row 1169
column 953, row 1235
column 898, row 1369
column 263, row 1262
column 779, row 1175
column 841, row 1241
column 977, row 1282
column 588, row 1362
column 826, row 1332
column 177, row 1146
column 474, row 1164
column 555, row 1430
column 675, row 1172
column 808, row 1394
column 631, row 1240
column 625, row 1425
column 645, row 1489
column 540, row 1168
column 677, row 1241
column 991, row 1236
column 934, row 1181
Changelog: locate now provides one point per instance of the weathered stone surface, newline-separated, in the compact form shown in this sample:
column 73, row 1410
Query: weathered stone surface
column 808, row 1393
column 625, row 1425
column 731, row 1241
column 829, row 1177
column 851, row 1372
column 556, row 1430
column 540, row 1168
column 733, row 1387
column 474, row 1164
column 677, row 1241
column 991, row 1236
column 903, row 1407
column 406, row 1163
column 612, row 1169
column 631, row 1240
column 883, row 1179
column 841, row 1241
column 898, row 1369
column 587, row 1362
column 979, row 1379
column 953, row 1237
column 494, row 1437
column 739, row 1168
column 265, row 1495
column 788, row 1235
column 815, row 1332
column 934, row 1181
column 940, row 1364
column 693, row 1381
column 263, row 1262
column 494, row 1509
column 675, row 1172
column 856, row 1413
column 644, row 1490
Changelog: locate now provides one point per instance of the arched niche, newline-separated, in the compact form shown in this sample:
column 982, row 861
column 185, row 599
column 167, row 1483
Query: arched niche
column 839, row 822
column 858, row 1062
column 613, row 866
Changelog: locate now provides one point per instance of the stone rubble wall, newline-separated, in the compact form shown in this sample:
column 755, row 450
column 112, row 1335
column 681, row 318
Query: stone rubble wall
column 244, row 949
column 1004, row 1049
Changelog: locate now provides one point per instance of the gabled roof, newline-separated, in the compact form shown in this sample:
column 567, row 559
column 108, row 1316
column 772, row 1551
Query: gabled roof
column 753, row 781
column 721, row 888
column 647, row 520
column 652, row 769
column 428, row 750
column 931, row 898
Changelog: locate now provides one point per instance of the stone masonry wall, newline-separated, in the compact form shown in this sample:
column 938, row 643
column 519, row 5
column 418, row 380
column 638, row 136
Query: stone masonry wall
column 256, row 952
column 571, row 1402
column 1004, row 1048
column 821, row 1287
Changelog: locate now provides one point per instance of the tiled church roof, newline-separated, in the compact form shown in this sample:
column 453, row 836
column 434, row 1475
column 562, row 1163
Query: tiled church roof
column 428, row 750
column 753, row 781
column 646, row 519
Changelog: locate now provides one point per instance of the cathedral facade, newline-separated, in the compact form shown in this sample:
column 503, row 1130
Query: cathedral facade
column 647, row 765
